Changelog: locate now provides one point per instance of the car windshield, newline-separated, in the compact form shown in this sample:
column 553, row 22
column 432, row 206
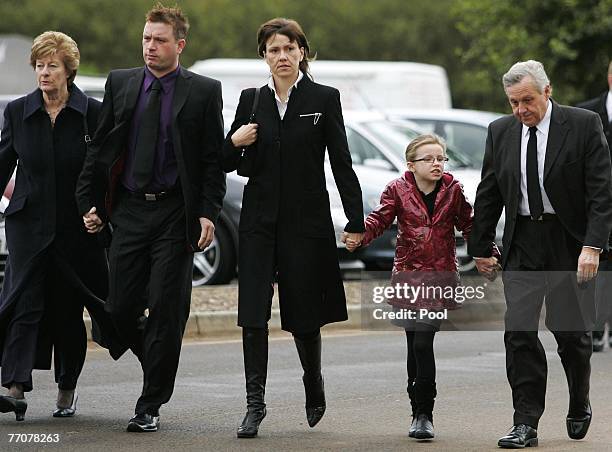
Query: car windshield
column 397, row 136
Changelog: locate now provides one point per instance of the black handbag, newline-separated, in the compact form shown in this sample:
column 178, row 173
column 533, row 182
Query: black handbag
column 246, row 162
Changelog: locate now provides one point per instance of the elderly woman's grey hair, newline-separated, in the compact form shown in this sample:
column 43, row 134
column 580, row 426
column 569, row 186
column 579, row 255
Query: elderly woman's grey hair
column 529, row 68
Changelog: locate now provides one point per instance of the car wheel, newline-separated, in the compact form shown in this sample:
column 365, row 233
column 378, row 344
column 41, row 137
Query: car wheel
column 217, row 263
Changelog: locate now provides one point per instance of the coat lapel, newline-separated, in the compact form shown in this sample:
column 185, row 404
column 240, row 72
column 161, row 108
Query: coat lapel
column 298, row 94
column 556, row 137
column 514, row 152
column 181, row 91
column 132, row 91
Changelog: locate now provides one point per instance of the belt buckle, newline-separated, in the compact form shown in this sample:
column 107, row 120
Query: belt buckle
column 540, row 218
column 150, row 197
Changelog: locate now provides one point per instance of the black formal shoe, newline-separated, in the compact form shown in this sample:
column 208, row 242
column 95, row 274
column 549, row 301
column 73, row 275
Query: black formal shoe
column 250, row 423
column 143, row 422
column 521, row 435
column 424, row 427
column 412, row 428
column 67, row 412
column 10, row 404
column 578, row 426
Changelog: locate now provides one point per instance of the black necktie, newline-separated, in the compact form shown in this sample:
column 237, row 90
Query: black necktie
column 536, row 206
column 146, row 143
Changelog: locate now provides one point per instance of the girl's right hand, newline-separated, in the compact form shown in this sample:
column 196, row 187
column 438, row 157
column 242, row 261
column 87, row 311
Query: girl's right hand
column 245, row 135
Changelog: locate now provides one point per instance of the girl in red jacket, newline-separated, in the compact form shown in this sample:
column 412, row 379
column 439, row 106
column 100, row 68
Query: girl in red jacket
column 428, row 204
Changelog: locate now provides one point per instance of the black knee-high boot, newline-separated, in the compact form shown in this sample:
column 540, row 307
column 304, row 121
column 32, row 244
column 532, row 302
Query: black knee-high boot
column 309, row 350
column 255, row 350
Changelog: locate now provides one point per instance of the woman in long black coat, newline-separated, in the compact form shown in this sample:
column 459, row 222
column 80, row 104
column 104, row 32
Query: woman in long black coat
column 286, row 229
column 55, row 267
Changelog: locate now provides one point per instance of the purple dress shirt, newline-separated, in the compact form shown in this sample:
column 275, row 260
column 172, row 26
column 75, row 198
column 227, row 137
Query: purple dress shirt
column 165, row 170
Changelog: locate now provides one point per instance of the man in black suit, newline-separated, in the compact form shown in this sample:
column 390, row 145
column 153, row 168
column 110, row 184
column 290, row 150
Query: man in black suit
column 153, row 172
column 549, row 167
column 602, row 105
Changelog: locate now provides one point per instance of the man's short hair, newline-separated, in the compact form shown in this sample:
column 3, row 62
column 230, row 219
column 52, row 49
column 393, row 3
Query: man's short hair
column 171, row 16
column 529, row 68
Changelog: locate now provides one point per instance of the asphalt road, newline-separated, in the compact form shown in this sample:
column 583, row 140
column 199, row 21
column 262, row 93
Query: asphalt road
column 367, row 403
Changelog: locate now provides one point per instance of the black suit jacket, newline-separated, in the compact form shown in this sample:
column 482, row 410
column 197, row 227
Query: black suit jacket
column 577, row 179
column 197, row 134
column 598, row 105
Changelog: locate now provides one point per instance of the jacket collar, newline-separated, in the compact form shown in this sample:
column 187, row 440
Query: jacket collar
column 77, row 101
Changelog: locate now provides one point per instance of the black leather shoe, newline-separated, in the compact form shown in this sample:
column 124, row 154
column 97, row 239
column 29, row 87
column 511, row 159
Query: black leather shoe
column 521, row 435
column 143, row 422
column 250, row 423
column 10, row 404
column 424, row 427
column 67, row 412
column 412, row 428
column 577, row 427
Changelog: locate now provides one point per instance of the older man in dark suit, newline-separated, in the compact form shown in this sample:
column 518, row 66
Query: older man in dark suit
column 548, row 165
column 602, row 105
column 154, row 162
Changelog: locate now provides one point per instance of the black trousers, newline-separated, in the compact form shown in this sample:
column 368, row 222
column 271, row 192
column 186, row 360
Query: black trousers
column 541, row 268
column 151, row 268
column 45, row 313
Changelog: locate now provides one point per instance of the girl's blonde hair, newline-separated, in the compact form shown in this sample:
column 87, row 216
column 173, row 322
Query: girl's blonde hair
column 428, row 138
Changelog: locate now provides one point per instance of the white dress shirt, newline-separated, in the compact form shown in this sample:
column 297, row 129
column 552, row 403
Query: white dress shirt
column 542, row 136
column 282, row 106
column 609, row 106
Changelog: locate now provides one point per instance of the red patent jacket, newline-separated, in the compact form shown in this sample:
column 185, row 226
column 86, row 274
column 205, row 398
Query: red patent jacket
column 425, row 252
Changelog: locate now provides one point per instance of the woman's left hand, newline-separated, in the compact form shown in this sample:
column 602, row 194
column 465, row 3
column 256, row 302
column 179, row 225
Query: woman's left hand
column 352, row 240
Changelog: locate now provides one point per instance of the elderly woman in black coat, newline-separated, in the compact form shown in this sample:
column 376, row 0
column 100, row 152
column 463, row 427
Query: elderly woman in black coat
column 286, row 229
column 55, row 267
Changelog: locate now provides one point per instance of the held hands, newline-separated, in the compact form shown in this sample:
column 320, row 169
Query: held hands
column 92, row 221
column 245, row 135
column 352, row 240
column 207, row 234
column 588, row 263
column 487, row 267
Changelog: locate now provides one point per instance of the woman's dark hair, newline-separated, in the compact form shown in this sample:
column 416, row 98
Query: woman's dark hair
column 289, row 28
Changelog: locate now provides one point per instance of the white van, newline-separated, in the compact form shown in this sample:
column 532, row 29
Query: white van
column 363, row 84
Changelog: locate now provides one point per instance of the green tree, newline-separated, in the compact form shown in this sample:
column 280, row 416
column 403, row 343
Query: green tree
column 572, row 38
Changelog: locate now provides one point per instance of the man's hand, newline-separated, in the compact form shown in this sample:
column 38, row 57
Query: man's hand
column 208, row 232
column 352, row 240
column 487, row 267
column 588, row 263
column 92, row 221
